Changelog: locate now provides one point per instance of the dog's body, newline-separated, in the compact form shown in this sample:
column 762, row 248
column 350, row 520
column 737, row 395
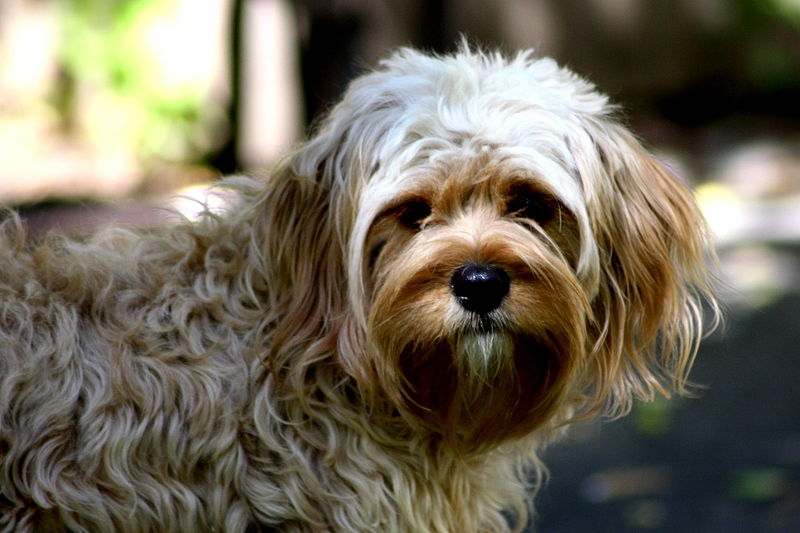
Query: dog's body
column 470, row 254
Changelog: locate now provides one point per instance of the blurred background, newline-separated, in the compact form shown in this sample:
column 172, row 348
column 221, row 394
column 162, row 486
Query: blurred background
column 111, row 108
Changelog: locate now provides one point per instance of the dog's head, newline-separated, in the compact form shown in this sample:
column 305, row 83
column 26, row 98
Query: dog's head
column 484, row 249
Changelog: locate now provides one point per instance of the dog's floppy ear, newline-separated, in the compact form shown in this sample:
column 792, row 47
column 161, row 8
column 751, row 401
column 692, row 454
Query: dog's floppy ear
column 303, row 251
column 651, row 240
column 312, row 210
column 309, row 208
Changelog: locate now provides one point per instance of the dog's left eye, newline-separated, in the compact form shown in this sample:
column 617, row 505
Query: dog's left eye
column 537, row 207
column 411, row 214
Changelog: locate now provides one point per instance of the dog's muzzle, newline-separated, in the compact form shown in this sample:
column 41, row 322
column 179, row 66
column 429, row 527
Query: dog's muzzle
column 480, row 288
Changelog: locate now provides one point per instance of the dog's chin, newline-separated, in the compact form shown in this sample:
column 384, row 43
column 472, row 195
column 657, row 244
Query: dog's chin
column 485, row 385
column 476, row 378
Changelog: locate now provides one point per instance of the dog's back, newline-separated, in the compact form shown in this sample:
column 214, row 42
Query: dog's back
column 121, row 382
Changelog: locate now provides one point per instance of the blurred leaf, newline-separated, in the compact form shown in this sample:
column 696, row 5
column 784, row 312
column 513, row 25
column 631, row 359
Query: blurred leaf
column 652, row 418
column 772, row 67
column 108, row 44
column 758, row 485
column 757, row 14
column 788, row 10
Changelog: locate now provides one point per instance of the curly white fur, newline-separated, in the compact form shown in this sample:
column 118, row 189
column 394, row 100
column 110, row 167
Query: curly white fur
column 265, row 368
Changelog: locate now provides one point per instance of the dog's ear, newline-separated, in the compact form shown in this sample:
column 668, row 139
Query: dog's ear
column 652, row 243
column 303, row 254
column 315, row 230
column 309, row 208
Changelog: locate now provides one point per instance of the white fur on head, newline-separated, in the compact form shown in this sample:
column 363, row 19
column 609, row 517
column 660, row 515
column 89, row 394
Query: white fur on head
column 521, row 109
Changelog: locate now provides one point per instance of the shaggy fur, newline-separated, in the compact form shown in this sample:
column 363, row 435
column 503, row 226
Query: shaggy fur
column 309, row 361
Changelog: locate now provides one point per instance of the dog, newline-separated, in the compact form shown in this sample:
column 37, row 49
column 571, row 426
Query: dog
column 471, row 253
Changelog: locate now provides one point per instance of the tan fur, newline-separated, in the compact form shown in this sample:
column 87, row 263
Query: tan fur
column 298, row 362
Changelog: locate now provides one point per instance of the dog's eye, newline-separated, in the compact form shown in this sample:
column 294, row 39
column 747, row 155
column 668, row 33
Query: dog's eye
column 411, row 214
column 536, row 207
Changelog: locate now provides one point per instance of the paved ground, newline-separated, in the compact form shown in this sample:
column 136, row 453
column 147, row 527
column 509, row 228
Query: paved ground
column 728, row 461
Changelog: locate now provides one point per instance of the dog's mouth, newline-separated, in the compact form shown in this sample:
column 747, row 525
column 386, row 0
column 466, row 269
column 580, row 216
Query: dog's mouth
column 484, row 387
column 483, row 324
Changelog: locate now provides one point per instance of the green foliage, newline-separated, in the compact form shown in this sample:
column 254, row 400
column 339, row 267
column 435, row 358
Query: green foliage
column 758, row 485
column 787, row 10
column 771, row 59
column 108, row 45
column 756, row 14
column 653, row 418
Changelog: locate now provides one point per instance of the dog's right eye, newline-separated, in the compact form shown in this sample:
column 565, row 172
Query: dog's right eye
column 411, row 214
column 536, row 207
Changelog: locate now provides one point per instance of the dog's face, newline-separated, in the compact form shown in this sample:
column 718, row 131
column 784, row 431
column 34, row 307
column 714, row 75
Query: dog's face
column 494, row 253
column 474, row 298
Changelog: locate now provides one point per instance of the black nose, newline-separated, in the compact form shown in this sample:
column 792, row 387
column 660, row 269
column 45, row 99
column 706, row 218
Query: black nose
column 480, row 288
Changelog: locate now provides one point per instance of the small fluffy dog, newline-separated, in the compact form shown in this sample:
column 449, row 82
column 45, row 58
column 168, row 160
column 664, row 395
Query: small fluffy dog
column 470, row 254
